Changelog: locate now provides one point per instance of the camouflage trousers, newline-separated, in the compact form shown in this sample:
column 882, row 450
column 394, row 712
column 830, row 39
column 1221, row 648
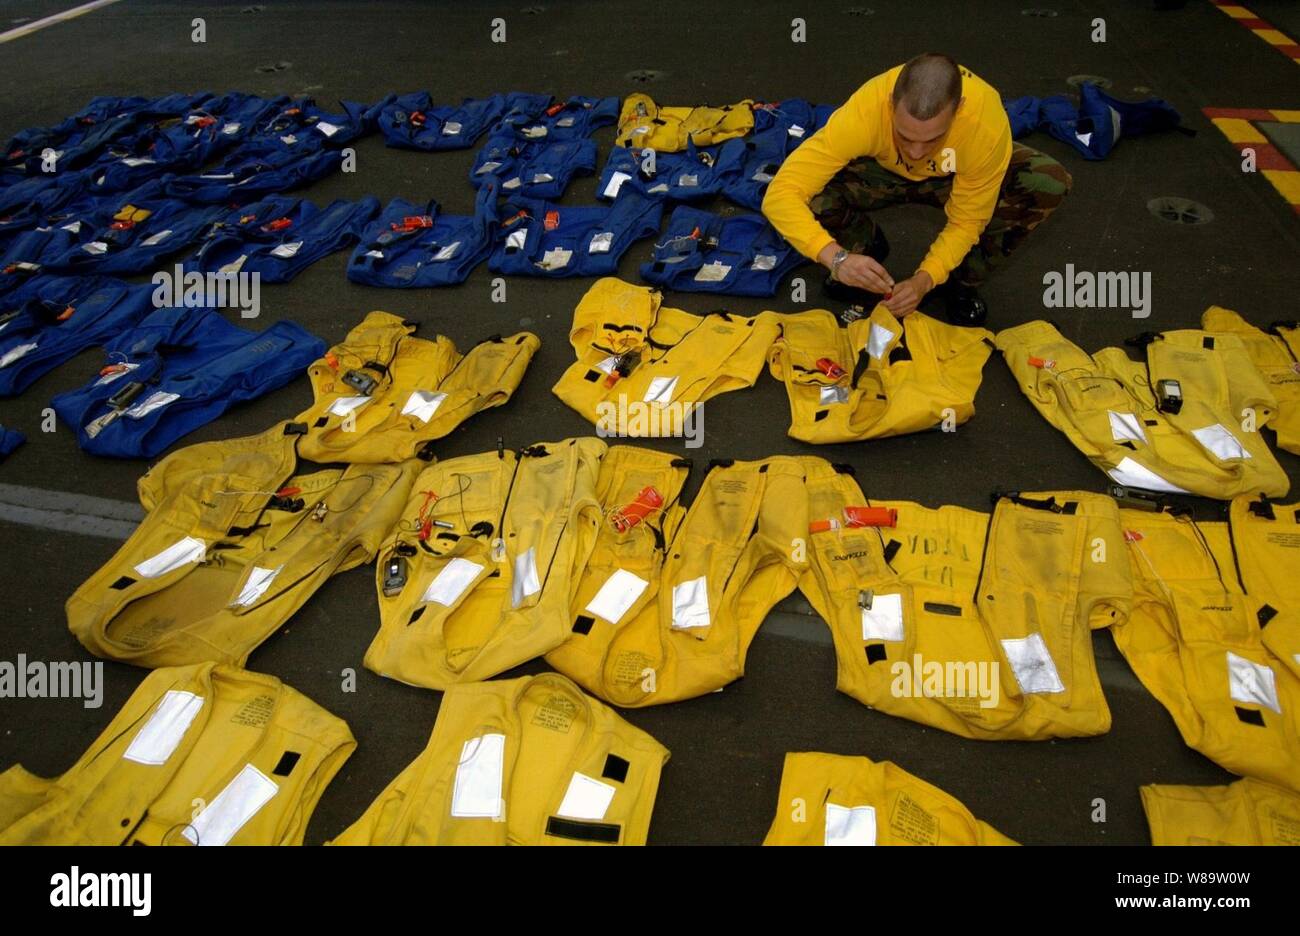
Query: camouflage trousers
column 1032, row 189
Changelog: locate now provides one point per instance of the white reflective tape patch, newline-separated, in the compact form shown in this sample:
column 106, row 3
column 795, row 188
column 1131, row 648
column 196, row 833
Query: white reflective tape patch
column 1084, row 138
column 557, row 258
column 1221, row 442
column 377, row 254
column 686, row 180
column 259, row 580
column 326, row 128
column 535, row 132
column 155, row 239
column 288, row 140
column 691, row 604
column 155, row 401
column 1130, row 474
column 447, row 252
column 512, row 184
column 614, row 184
column 884, row 619
column 178, row 554
column 541, row 178
column 217, row 175
column 586, row 798
column 234, row 266
column 714, row 272
column 564, row 122
column 230, row 128
column 601, row 242
column 74, row 227
column 516, row 240
column 477, row 793
column 761, row 176
column 165, row 729
column 658, row 189
column 451, row 581
column 525, row 583
column 1252, row 683
column 660, row 390
column 134, row 161
column 795, row 130
column 422, row 404
column 95, row 247
column 845, row 825
column 620, row 591
column 240, row 801
column 1032, row 665
column 16, row 352
column 126, row 368
column 451, row 128
column 1126, row 427
column 287, row 250
column 764, row 262
column 487, row 167
column 832, row 394
column 608, row 364
column 346, row 404
column 879, row 340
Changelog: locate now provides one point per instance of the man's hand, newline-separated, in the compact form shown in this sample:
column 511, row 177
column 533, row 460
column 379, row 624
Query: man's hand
column 908, row 294
column 858, row 271
column 862, row 272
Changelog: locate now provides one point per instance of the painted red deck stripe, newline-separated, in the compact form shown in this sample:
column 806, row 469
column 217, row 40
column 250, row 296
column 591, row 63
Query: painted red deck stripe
column 1243, row 113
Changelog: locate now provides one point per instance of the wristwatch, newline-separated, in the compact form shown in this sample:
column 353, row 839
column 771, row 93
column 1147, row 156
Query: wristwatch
column 840, row 256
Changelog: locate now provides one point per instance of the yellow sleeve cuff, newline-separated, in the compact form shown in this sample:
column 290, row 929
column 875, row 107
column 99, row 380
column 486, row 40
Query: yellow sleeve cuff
column 938, row 272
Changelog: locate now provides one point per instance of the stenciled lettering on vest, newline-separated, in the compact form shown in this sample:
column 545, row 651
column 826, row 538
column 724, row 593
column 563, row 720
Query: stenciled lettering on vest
column 35, row 679
column 951, row 679
column 103, row 889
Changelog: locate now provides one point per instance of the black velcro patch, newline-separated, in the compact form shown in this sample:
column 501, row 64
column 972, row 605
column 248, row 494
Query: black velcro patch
column 583, row 624
column 891, row 549
column 615, row 768
column 583, row 831
column 321, row 421
column 875, row 652
column 821, row 414
column 592, row 376
column 287, row 762
column 936, row 607
column 415, row 615
column 1266, row 614
column 123, row 582
column 1250, row 716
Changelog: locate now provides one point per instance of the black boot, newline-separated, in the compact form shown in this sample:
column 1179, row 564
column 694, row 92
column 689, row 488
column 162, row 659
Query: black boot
column 877, row 250
column 963, row 305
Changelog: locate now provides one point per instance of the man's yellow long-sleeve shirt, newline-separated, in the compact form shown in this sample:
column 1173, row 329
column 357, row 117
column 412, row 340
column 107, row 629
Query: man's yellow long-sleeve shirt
column 980, row 140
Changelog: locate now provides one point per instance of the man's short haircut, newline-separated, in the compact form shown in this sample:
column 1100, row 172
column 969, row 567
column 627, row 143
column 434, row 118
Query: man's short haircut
column 928, row 85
